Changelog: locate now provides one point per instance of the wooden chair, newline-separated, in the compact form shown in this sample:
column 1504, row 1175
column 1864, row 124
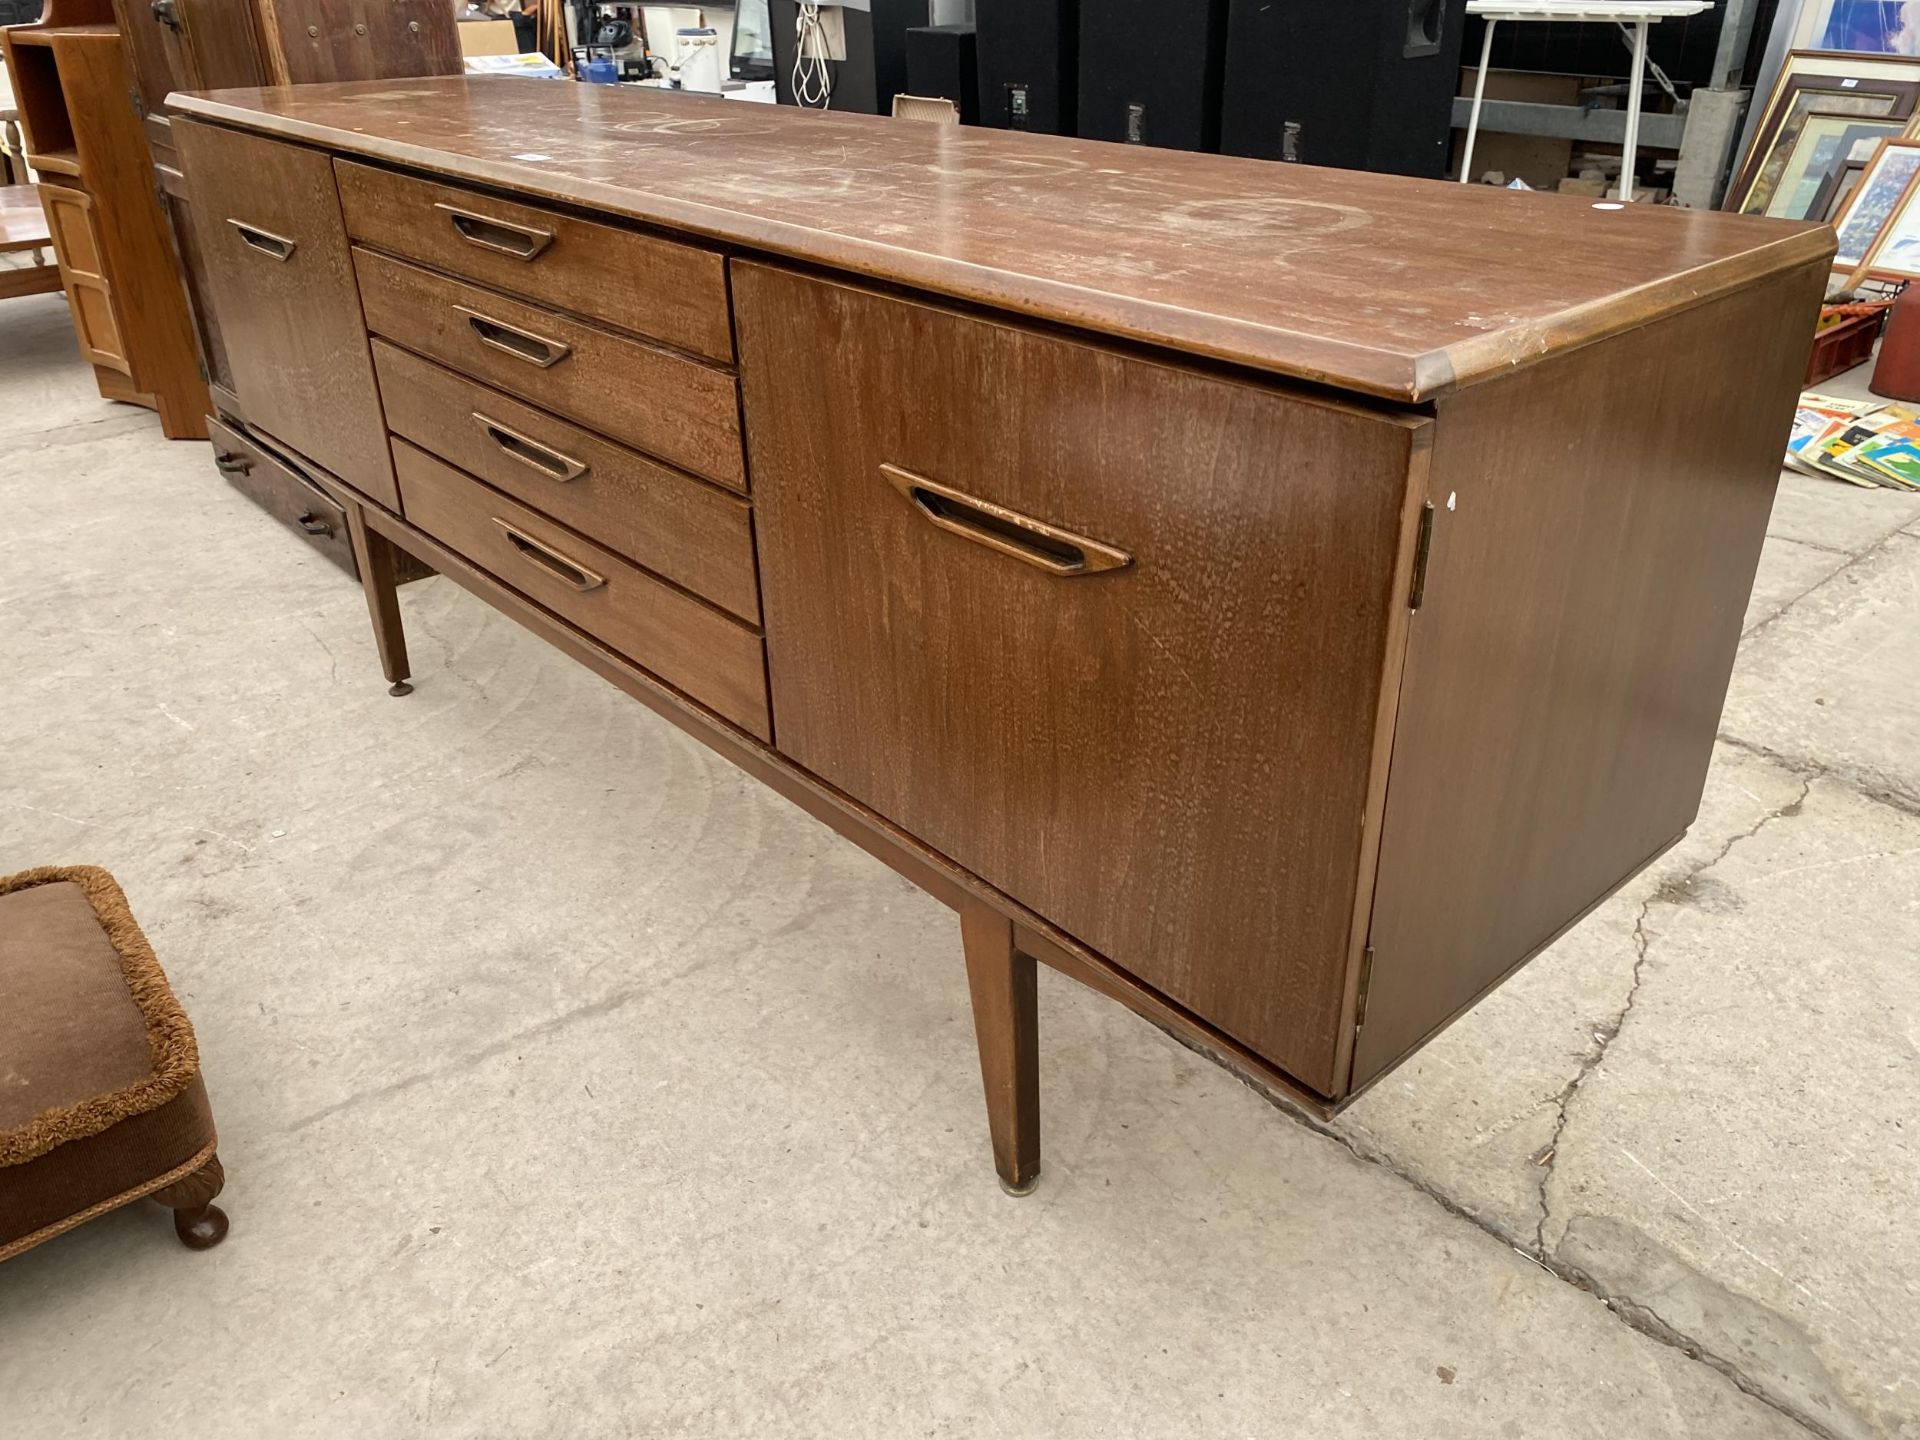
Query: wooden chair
column 23, row 230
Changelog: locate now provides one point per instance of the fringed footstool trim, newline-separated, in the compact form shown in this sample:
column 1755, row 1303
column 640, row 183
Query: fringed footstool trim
column 175, row 1058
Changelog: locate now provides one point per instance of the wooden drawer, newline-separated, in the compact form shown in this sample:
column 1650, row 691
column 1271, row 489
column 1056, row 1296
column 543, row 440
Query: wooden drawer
column 674, row 292
column 686, row 642
column 684, row 529
column 283, row 494
column 1174, row 758
column 681, row 410
column 280, row 276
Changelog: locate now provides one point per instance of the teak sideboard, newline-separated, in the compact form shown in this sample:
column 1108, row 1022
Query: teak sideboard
column 1282, row 599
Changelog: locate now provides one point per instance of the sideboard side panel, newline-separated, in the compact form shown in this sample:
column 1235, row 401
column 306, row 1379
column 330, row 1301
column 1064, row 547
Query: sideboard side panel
column 1598, row 523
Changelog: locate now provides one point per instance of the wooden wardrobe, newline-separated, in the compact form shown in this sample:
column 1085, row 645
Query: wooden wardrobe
column 96, row 183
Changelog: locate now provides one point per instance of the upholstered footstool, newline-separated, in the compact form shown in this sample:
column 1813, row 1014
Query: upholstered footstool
column 101, row 1102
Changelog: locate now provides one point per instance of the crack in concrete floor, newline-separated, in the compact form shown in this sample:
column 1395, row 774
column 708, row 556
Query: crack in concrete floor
column 1672, row 892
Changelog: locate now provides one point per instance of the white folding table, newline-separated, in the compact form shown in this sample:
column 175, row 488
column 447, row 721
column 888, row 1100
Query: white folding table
column 1638, row 13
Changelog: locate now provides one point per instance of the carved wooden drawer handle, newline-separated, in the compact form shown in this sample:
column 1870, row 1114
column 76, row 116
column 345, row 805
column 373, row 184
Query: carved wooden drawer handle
column 279, row 247
column 522, row 242
column 1048, row 547
column 521, row 344
column 552, row 561
column 530, row 452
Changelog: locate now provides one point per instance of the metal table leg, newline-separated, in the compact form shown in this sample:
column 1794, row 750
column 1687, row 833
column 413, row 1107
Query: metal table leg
column 1479, row 93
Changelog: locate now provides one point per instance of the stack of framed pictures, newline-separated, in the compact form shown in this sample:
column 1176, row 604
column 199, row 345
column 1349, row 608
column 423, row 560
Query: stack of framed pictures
column 1829, row 111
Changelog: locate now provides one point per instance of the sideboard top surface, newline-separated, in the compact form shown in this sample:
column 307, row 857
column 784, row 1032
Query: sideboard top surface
column 1403, row 289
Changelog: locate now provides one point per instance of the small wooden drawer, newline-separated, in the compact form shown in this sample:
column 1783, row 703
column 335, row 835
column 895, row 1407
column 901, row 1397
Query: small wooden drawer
column 674, row 292
column 686, row 642
column 281, row 493
column 695, row 535
column 678, row 409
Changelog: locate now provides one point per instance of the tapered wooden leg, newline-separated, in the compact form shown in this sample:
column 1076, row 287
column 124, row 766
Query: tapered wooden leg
column 198, row 1222
column 374, row 554
column 1006, row 1023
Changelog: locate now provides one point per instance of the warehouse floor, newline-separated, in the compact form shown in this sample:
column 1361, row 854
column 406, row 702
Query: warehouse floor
column 571, row 1083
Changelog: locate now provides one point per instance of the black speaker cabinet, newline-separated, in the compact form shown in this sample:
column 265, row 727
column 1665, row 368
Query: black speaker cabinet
column 1150, row 71
column 1029, row 53
column 875, row 69
column 1358, row 84
column 941, row 62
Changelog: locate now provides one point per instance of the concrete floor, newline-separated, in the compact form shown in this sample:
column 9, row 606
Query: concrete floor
column 570, row 1083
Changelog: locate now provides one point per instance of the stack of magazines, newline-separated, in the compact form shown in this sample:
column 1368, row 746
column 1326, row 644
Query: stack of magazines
column 1864, row 442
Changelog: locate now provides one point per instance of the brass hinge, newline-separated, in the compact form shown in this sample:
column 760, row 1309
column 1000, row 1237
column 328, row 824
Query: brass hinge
column 1366, row 984
column 1422, row 547
column 139, row 105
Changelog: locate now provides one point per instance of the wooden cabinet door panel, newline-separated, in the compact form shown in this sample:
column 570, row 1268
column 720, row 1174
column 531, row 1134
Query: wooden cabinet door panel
column 76, row 244
column 280, row 278
column 1173, row 759
column 358, row 40
column 185, row 222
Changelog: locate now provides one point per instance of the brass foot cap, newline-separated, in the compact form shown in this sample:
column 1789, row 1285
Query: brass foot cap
column 1018, row 1191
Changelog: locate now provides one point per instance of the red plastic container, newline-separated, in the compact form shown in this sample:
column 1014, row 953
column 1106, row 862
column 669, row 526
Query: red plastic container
column 1842, row 346
column 1897, row 375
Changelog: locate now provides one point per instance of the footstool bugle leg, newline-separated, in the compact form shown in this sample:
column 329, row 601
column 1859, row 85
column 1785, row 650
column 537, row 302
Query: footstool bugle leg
column 1006, row 1026
column 375, row 556
column 198, row 1222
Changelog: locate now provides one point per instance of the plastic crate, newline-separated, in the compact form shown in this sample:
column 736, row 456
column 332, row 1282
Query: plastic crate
column 1841, row 346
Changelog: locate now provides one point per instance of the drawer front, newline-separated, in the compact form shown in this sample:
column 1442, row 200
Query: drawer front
column 1109, row 633
column 280, row 276
column 683, row 411
column 689, row 531
column 674, row 292
column 689, row 644
column 281, row 493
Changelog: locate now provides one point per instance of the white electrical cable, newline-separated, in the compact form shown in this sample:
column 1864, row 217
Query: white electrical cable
column 812, row 81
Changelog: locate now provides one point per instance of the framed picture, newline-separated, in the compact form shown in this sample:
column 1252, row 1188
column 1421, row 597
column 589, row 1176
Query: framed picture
column 1836, row 190
column 1830, row 84
column 1883, row 189
column 1879, row 27
column 1897, row 254
column 1827, row 140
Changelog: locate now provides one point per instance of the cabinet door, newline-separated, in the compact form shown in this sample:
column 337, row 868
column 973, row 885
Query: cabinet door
column 76, row 243
column 280, row 280
column 1117, row 636
column 184, row 223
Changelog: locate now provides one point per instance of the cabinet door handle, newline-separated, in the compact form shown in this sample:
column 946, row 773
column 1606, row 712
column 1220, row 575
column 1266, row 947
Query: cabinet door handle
column 522, row 242
column 552, row 561
column 232, row 464
column 312, row 524
column 521, row 344
column 1047, row 547
column 530, row 452
column 265, row 241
